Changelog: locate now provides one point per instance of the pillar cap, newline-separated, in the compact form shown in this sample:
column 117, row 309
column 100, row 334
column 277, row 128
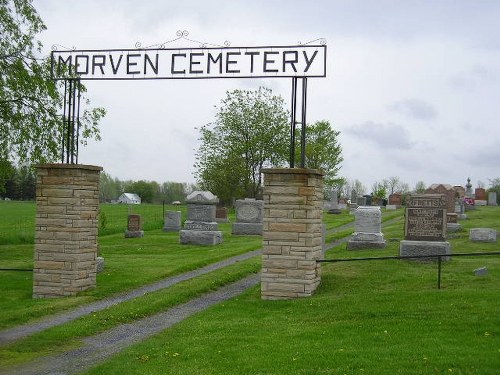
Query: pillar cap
column 68, row 166
column 292, row 171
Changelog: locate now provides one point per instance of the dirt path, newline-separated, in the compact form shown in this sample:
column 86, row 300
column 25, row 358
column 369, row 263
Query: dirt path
column 99, row 347
column 16, row 333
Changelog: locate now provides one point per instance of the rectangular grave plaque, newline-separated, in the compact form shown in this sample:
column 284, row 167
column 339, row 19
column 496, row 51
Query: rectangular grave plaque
column 426, row 218
column 134, row 223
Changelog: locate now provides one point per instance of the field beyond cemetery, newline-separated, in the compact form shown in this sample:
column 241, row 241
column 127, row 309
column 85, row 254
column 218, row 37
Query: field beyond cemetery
column 367, row 317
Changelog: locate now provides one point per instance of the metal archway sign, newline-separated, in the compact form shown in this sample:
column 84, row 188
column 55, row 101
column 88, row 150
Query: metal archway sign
column 298, row 62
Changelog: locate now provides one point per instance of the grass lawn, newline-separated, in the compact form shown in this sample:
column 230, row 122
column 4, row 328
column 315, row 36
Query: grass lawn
column 378, row 317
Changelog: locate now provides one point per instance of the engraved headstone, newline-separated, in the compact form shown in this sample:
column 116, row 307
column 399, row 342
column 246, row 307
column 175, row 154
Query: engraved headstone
column 425, row 227
column 480, row 198
column 367, row 229
column 200, row 228
column 249, row 217
column 172, row 221
column 448, row 191
column 221, row 215
column 396, row 199
column 426, row 218
column 134, row 226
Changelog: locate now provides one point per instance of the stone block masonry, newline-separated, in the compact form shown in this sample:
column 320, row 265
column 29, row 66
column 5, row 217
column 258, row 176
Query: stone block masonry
column 67, row 203
column 292, row 233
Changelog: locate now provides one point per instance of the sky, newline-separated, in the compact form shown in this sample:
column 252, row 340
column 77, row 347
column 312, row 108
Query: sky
column 412, row 86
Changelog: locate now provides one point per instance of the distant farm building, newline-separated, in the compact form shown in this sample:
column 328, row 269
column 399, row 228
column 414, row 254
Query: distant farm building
column 129, row 198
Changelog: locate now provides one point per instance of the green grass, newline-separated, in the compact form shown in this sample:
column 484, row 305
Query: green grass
column 378, row 317
column 69, row 335
column 17, row 222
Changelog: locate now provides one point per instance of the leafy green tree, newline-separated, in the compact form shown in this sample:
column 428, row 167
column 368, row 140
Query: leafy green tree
column 30, row 101
column 144, row 189
column 379, row 189
column 495, row 186
column 323, row 151
column 420, row 187
column 250, row 132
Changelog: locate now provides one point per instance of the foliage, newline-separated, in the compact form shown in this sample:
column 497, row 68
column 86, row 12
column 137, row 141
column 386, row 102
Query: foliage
column 379, row 189
column 350, row 185
column 322, row 152
column 495, row 186
column 420, row 187
column 250, row 133
column 19, row 184
column 30, row 101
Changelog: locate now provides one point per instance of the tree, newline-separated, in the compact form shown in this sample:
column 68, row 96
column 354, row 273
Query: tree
column 420, row 187
column 250, row 133
column 144, row 189
column 379, row 189
column 495, row 186
column 30, row 101
column 323, row 151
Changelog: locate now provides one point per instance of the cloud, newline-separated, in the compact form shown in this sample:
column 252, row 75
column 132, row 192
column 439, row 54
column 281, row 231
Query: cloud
column 415, row 108
column 388, row 136
column 476, row 77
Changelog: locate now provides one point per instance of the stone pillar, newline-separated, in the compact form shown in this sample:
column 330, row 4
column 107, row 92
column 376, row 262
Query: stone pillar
column 292, row 232
column 67, row 203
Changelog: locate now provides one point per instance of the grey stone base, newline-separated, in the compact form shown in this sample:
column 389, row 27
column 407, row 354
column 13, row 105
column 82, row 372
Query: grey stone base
column 171, row 229
column 334, row 211
column 206, row 226
column 480, row 202
column 134, row 233
column 359, row 245
column 419, row 248
column 453, row 227
column 200, row 237
column 99, row 264
column 483, row 235
column 462, row 217
column 247, row 229
column 361, row 240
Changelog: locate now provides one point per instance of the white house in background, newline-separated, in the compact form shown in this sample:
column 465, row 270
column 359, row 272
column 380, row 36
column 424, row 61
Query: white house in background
column 129, row 198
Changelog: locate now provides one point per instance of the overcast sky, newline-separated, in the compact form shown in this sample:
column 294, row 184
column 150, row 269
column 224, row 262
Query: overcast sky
column 413, row 86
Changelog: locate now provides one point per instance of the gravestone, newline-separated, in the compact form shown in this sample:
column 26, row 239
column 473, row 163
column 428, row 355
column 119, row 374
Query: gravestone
column 481, row 271
column 334, row 204
column 134, row 226
column 172, row 221
column 447, row 191
column 368, row 200
column 221, row 215
column 361, row 201
column 492, row 198
column 367, row 229
column 354, row 196
column 483, row 235
column 480, row 198
column 200, row 228
column 249, row 217
column 468, row 189
column 480, row 194
column 425, row 227
column 460, row 190
column 452, row 224
column 396, row 199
